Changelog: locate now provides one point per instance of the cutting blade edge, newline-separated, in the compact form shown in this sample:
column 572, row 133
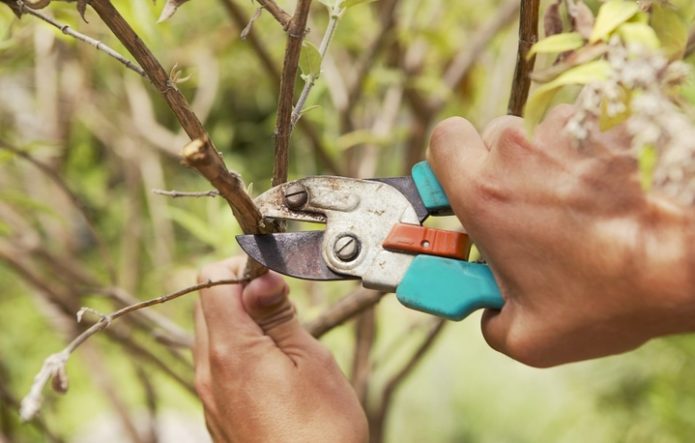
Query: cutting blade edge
column 295, row 254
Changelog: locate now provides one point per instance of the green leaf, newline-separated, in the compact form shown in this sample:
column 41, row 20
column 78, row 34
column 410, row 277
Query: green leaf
column 350, row 3
column 639, row 33
column 647, row 162
column 539, row 101
column 310, row 60
column 557, row 43
column 611, row 15
column 671, row 29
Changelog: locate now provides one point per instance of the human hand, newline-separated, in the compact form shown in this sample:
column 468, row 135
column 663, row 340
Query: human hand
column 587, row 263
column 260, row 375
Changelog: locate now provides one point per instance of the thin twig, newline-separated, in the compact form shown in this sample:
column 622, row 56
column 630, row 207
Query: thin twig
column 366, row 61
column 54, row 365
column 239, row 17
column 201, row 153
column 67, row 30
column 276, row 11
column 466, row 59
column 345, row 309
column 180, row 194
column 335, row 14
column 50, row 292
column 283, row 126
column 74, row 199
column 528, row 36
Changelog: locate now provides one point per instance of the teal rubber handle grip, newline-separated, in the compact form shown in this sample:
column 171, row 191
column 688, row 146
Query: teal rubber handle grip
column 445, row 287
column 448, row 288
column 430, row 190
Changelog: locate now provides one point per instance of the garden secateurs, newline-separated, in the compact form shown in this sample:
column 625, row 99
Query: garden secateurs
column 374, row 232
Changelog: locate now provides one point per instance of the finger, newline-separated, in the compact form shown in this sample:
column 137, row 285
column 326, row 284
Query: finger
column 227, row 322
column 265, row 299
column 456, row 153
column 496, row 326
column 552, row 131
column 502, row 130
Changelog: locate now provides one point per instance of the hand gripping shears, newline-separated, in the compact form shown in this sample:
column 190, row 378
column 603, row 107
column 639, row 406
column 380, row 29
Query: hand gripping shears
column 374, row 232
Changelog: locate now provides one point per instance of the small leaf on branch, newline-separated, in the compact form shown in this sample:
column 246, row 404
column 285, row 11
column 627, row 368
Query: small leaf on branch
column 247, row 29
column 611, row 15
column 170, row 8
column 582, row 18
column 639, row 33
column 310, row 60
column 671, row 30
column 175, row 75
column 541, row 99
column 557, row 43
column 552, row 21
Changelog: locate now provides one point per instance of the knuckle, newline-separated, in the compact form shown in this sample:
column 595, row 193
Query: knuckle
column 325, row 357
column 445, row 129
column 202, row 387
column 219, row 356
column 487, row 188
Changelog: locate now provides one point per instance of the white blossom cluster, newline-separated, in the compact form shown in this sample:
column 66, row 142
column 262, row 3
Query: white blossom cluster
column 641, row 80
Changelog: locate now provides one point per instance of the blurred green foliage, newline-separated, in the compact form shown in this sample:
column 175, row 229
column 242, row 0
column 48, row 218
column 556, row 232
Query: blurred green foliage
column 76, row 110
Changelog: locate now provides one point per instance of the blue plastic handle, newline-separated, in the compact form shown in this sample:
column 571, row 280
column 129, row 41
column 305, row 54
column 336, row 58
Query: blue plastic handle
column 430, row 190
column 445, row 287
column 448, row 288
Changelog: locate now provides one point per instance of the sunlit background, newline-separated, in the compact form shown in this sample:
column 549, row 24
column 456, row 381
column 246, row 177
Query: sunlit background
column 107, row 133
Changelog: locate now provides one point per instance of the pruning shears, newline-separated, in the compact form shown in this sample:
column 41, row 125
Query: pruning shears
column 374, row 233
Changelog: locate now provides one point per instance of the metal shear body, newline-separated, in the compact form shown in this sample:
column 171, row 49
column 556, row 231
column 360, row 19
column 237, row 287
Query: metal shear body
column 374, row 232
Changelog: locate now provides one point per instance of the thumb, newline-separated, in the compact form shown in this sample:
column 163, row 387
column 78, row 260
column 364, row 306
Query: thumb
column 265, row 300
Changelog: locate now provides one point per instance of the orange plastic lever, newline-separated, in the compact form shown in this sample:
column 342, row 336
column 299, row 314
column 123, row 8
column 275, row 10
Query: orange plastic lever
column 421, row 240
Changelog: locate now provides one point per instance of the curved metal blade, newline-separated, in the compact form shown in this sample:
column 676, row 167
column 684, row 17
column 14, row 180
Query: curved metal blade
column 295, row 254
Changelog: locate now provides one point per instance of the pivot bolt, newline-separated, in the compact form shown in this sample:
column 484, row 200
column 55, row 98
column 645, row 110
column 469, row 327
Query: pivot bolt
column 295, row 196
column 347, row 247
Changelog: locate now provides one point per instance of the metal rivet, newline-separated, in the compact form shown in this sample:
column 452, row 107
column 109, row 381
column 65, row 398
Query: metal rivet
column 347, row 247
column 295, row 196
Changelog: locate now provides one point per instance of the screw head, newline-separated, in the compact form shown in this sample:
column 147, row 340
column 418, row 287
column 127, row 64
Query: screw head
column 347, row 247
column 295, row 196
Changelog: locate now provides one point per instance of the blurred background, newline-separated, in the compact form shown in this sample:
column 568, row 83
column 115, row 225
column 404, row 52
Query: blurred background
column 83, row 141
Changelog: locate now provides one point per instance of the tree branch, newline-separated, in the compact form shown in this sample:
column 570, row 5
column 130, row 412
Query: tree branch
column 528, row 36
column 201, row 152
column 283, row 126
column 276, row 11
column 239, row 17
column 345, row 309
column 74, row 199
column 181, row 194
column 54, row 365
column 333, row 20
column 67, row 30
